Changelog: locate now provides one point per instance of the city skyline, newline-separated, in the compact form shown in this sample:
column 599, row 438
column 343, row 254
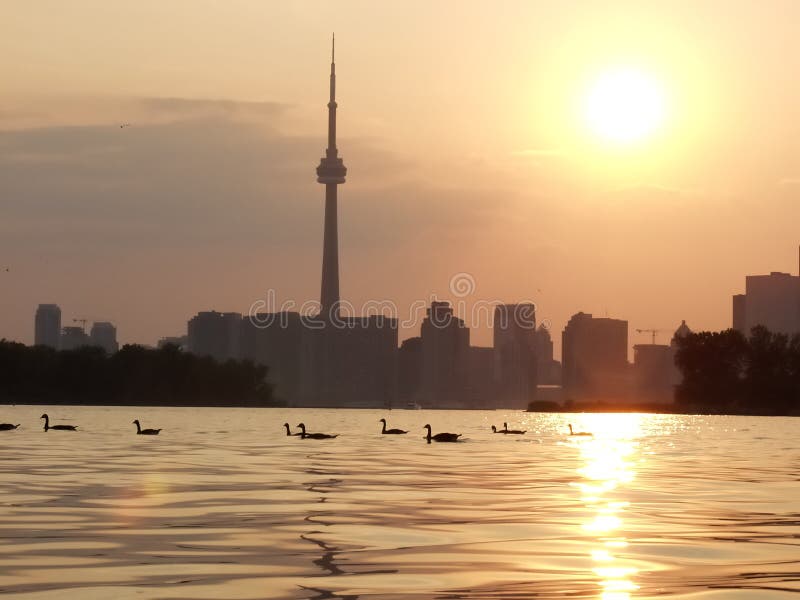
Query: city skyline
column 228, row 197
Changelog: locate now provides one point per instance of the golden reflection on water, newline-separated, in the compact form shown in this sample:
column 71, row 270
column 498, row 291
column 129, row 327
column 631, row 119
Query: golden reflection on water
column 608, row 466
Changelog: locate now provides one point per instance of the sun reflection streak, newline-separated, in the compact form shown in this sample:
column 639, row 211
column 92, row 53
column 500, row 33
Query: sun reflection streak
column 607, row 468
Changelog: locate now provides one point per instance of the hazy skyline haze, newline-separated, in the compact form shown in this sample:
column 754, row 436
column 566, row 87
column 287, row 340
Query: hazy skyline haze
column 465, row 147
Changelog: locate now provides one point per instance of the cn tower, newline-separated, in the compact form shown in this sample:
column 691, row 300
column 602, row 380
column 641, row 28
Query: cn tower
column 331, row 171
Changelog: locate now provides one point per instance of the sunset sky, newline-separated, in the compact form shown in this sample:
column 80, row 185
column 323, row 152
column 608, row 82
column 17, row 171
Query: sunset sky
column 466, row 131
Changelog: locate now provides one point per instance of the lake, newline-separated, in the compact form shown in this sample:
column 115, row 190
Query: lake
column 223, row 504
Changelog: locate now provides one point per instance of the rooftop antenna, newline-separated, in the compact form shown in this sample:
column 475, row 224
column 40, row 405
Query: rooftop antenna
column 333, row 47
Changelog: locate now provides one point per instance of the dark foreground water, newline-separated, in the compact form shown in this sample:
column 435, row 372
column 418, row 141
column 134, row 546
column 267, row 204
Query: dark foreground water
column 223, row 505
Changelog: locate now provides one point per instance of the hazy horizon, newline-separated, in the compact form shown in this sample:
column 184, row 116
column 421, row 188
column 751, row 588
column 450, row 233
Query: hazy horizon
column 463, row 143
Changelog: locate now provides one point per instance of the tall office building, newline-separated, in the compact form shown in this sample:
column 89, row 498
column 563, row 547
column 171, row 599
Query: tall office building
column 595, row 358
column 73, row 338
column 514, row 330
column 104, row 335
column 215, row 334
column 445, row 358
column 548, row 369
column 278, row 341
column 47, row 326
column 770, row 300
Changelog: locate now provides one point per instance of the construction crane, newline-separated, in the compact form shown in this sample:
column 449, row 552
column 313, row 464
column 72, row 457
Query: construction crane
column 652, row 332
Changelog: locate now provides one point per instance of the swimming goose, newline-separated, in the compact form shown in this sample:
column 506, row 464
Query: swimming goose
column 289, row 431
column 517, row 431
column 441, row 437
column 391, row 431
column 7, row 426
column 313, row 436
column 57, row 427
column 581, row 433
column 140, row 431
column 496, row 430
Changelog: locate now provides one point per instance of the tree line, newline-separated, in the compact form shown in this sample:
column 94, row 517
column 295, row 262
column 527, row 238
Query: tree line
column 133, row 376
column 727, row 372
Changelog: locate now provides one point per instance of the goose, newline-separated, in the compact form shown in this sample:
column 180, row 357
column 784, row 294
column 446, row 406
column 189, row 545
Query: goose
column 581, row 433
column 496, row 430
column 390, row 431
column 289, row 431
column 441, row 437
column 8, row 426
column 140, row 431
column 517, row 431
column 57, row 427
column 313, row 436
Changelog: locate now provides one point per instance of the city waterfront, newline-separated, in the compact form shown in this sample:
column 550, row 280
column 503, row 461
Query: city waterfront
column 222, row 504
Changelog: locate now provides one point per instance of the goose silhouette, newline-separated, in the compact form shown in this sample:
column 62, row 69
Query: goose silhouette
column 516, row 431
column 56, row 427
column 8, row 426
column 496, row 430
column 579, row 433
column 289, row 431
column 140, row 431
column 390, row 431
column 441, row 437
column 313, row 436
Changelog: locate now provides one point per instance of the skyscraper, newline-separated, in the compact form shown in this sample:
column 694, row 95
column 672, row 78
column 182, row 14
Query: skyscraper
column 595, row 358
column 515, row 353
column 445, row 357
column 104, row 334
column 47, row 326
column 215, row 334
column 331, row 171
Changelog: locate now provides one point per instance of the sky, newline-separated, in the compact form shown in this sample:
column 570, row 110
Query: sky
column 463, row 129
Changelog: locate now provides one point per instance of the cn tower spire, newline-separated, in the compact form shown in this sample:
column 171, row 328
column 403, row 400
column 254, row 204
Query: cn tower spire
column 331, row 172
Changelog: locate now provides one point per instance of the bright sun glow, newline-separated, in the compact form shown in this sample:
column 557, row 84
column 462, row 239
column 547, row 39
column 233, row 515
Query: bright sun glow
column 624, row 106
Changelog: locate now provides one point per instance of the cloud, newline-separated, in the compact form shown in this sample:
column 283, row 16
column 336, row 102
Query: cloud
column 204, row 106
column 213, row 173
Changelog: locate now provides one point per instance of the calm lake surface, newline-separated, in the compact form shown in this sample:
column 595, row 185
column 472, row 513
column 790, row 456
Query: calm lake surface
column 223, row 505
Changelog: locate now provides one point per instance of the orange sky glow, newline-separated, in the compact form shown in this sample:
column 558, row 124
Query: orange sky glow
column 464, row 129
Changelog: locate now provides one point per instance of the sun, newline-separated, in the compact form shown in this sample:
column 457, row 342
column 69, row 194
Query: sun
column 624, row 105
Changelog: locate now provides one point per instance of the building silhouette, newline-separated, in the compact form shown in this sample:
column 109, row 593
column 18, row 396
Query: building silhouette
column 655, row 374
column 595, row 358
column 548, row 369
column 409, row 370
column 47, row 326
column 73, row 338
column 770, row 300
column 445, row 358
column 514, row 329
column 215, row 334
column 104, row 335
column 279, row 341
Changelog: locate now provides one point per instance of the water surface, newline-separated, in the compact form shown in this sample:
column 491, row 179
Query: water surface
column 223, row 505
